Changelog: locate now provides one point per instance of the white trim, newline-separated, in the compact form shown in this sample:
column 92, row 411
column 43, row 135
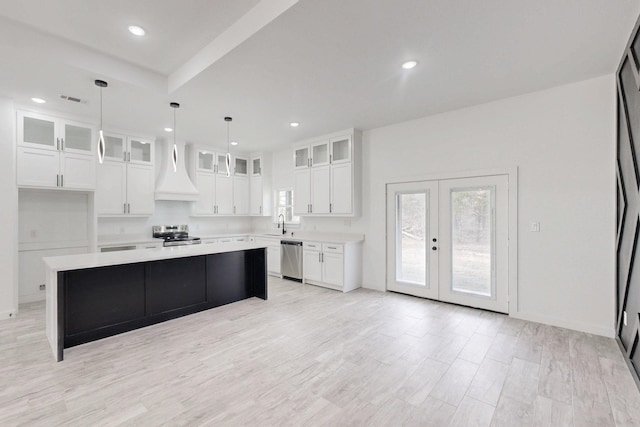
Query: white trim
column 512, row 175
column 26, row 299
column 8, row 314
column 589, row 328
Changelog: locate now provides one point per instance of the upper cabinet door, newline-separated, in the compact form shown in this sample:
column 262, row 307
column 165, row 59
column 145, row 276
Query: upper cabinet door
column 241, row 166
column 340, row 150
column 256, row 166
column 206, row 161
column 301, row 157
column 37, row 131
column 114, row 147
column 319, row 154
column 140, row 152
column 77, row 138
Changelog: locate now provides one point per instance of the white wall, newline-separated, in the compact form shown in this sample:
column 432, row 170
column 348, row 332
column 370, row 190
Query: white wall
column 8, row 212
column 170, row 212
column 562, row 140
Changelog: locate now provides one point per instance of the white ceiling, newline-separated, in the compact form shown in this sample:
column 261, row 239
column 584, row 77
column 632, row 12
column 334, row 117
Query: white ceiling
column 329, row 64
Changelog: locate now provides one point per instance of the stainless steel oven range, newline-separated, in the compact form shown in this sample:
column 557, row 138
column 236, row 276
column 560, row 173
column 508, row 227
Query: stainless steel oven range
column 174, row 235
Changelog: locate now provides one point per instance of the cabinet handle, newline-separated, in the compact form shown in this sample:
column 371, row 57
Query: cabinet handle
column 311, row 208
column 330, row 207
column 62, row 143
column 319, row 257
column 62, row 179
column 331, row 247
column 58, row 144
column 308, row 162
column 330, row 158
column 124, row 208
column 234, row 210
column 58, row 180
column 125, row 156
column 260, row 209
column 128, row 208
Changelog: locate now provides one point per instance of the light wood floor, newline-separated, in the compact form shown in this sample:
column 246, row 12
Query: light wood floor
column 311, row 356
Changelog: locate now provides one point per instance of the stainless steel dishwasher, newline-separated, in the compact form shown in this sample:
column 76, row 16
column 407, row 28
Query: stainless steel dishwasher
column 291, row 260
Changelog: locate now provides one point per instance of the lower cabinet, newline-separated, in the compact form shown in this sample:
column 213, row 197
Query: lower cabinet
column 273, row 254
column 95, row 303
column 176, row 283
column 324, row 265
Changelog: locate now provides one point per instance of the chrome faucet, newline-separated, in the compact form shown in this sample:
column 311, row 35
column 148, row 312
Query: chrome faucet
column 283, row 230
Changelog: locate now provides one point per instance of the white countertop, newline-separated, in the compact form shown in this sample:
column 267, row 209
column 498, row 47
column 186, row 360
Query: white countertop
column 103, row 259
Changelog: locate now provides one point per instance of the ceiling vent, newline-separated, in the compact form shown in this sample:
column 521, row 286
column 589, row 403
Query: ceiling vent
column 73, row 99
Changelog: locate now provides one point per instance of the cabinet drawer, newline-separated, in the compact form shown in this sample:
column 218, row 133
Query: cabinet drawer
column 312, row 246
column 332, row 248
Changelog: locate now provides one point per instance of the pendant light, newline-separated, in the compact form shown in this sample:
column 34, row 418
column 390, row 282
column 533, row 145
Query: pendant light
column 228, row 157
column 174, row 152
column 101, row 147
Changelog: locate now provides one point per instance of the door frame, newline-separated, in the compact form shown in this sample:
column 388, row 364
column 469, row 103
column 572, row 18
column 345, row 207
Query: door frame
column 512, row 174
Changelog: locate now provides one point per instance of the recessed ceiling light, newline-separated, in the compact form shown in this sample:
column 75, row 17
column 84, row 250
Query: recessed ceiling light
column 168, row 130
column 294, row 124
column 137, row 31
column 409, row 64
column 234, row 143
column 38, row 100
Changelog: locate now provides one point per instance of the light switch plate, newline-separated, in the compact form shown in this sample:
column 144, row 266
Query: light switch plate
column 535, row 227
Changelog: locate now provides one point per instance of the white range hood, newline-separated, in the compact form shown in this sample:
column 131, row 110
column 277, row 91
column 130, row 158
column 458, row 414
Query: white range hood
column 173, row 183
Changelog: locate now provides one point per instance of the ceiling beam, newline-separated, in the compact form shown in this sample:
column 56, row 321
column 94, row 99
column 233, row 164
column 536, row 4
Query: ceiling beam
column 249, row 24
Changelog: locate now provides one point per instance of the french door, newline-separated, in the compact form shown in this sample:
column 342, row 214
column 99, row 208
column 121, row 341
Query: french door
column 448, row 240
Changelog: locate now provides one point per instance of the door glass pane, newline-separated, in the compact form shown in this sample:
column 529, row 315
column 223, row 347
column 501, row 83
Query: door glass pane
column 302, row 157
column 340, row 150
column 320, row 154
column 140, row 151
column 241, row 166
column 411, row 232
column 205, row 160
column 257, row 170
column 113, row 147
column 471, row 240
column 77, row 137
column 38, row 131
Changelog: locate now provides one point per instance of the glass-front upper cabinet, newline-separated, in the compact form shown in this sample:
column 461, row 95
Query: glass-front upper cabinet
column 221, row 164
column 241, row 166
column 114, row 146
column 341, row 149
column 319, row 154
column 301, row 157
column 256, row 166
column 140, row 151
column 78, row 137
column 206, row 161
column 37, row 130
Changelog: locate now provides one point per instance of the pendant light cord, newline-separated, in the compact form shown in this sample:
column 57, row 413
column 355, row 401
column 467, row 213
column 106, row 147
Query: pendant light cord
column 101, row 127
column 174, row 126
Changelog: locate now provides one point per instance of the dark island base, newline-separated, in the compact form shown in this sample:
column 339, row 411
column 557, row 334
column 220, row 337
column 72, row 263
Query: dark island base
column 100, row 302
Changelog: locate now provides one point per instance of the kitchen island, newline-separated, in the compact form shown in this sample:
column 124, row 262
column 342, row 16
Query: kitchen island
column 96, row 295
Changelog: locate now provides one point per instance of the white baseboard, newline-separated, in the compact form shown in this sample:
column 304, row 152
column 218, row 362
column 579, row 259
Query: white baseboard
column 8, row 314
column 589, row 328
column 24, row 299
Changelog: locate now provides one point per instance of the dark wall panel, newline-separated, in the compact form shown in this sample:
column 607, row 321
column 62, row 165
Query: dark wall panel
column 628, row 201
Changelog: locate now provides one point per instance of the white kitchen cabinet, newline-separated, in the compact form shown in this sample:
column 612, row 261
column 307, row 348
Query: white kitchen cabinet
column 273, row 254
column 312, row 265
column 55, row 152
column 126, row 178
column 241, row 195
column 320, row 190
column 332, row 265
column 260, row 197
column 341, row 189
column 224, row 195
column 205, row 182
column 302, row 192
column 219, row 194
column 328, row 181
